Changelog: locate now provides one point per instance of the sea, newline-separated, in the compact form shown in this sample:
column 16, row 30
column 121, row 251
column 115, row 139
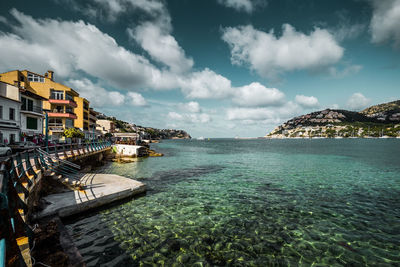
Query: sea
column 258, row 202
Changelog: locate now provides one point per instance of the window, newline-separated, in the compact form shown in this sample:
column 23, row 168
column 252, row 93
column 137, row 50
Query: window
column 30, row 105
column 12, row 138
column 23, row 100
column 12, row 114
column 55, row 122
column 69, row 97
column 57, row 95
column 69, row 123
column 31, row 123
column 1, row 112
column 35, row 78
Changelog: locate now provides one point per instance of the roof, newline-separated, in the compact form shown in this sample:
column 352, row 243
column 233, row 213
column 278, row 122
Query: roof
column 33, row 95
column 10, row 99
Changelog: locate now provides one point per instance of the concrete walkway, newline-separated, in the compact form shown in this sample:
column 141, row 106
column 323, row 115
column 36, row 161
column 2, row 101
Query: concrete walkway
column 99, row 189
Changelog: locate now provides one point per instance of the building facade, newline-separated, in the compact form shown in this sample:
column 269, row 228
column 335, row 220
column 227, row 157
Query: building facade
column 82, row 114
column 60, row 103
column 10, row 106
column 106, row 126
column 31, row 116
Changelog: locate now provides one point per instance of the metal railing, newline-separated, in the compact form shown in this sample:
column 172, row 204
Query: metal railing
column 36, row 109
column 18, row 176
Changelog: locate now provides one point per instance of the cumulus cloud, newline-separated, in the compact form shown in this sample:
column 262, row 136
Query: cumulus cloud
column 192, row 107
column 97, row 95
column 111, row 10
column 270, row 55
column 256, row 94
column 348, row 70
column 307, row 101
column 174, row 116
column 189, row 118
column 70, row 47
column 275, row 114
column 385, row 22
column 136, row 99
column 357, row 102
column 161, row 46
column 242, row 5
column 206, row 84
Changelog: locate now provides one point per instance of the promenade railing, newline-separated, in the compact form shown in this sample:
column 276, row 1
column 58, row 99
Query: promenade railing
column 18, row 176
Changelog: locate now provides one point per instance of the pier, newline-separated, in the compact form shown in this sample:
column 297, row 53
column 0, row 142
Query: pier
column 21, row 182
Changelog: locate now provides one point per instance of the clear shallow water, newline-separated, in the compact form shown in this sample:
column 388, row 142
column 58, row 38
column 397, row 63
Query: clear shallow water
column 254, row 202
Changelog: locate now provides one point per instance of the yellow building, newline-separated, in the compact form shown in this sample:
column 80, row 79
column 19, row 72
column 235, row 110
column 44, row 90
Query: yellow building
column 82, row 114
column 61, row 104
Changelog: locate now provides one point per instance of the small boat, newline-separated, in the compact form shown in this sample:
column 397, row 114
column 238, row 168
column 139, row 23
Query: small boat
column 200, row 138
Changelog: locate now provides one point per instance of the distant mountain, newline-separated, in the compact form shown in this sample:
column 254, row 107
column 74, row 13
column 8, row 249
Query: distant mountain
column 375, row 121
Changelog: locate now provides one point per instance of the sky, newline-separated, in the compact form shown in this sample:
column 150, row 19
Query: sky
column 215, row 68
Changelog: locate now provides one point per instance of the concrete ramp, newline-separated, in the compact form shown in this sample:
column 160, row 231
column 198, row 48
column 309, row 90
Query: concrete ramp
column 98, row 190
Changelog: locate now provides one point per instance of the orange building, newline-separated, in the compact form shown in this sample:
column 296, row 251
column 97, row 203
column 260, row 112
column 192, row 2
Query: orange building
column 60, row 102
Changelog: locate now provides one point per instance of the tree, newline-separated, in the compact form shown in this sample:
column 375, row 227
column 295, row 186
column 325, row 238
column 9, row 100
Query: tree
column 73, row 133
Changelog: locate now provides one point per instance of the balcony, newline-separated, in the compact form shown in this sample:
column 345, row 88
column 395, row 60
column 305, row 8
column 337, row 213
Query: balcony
column 92, row 118
column 56, row 127
column 70, row 103
column 32, row 109
column 61, row 114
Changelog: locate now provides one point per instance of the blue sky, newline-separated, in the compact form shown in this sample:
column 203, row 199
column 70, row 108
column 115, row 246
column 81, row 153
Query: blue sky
column 215, row 68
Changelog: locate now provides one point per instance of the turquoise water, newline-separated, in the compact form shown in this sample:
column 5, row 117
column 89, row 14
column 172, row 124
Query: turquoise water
column 253, row 202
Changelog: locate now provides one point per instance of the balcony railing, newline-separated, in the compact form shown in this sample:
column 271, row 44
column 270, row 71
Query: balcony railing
column 36, row 109
column 62, row 114
column 69, row 102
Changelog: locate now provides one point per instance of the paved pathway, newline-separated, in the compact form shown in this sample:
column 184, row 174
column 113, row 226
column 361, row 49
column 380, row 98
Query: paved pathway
column 99, row 189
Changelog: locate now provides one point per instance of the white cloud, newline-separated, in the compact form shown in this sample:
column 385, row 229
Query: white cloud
column 161, row 46
column 175, row 116
column 97, row 95
column 192, row 107
column 276, row 114
column 136, row 99
column 70, row 47
column 256, row 94
column 206, row 84
column 200, row 118
column 348, row 70
column 347, row 31
column 189, row 118
column 242, row 5
column 270, row 55
column 111, row 10
column 385, row 23
column 357, row 102
column 307, row 101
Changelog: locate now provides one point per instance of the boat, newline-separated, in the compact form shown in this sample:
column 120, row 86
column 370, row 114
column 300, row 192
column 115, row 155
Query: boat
column 200, row 138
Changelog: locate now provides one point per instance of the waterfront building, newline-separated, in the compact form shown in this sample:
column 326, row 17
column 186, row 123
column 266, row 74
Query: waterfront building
column 60, row 101
column 32, row 116
column 82, row 114
column 10, row 106
column 106, row 126
column 93, row 123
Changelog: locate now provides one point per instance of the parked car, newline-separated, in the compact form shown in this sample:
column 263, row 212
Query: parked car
column 5, row 150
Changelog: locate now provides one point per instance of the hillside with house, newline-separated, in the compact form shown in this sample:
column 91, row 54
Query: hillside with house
column 376, row 121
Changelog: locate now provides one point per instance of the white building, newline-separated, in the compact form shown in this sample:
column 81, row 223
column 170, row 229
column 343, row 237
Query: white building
column 10, row 107
column 31, row 115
